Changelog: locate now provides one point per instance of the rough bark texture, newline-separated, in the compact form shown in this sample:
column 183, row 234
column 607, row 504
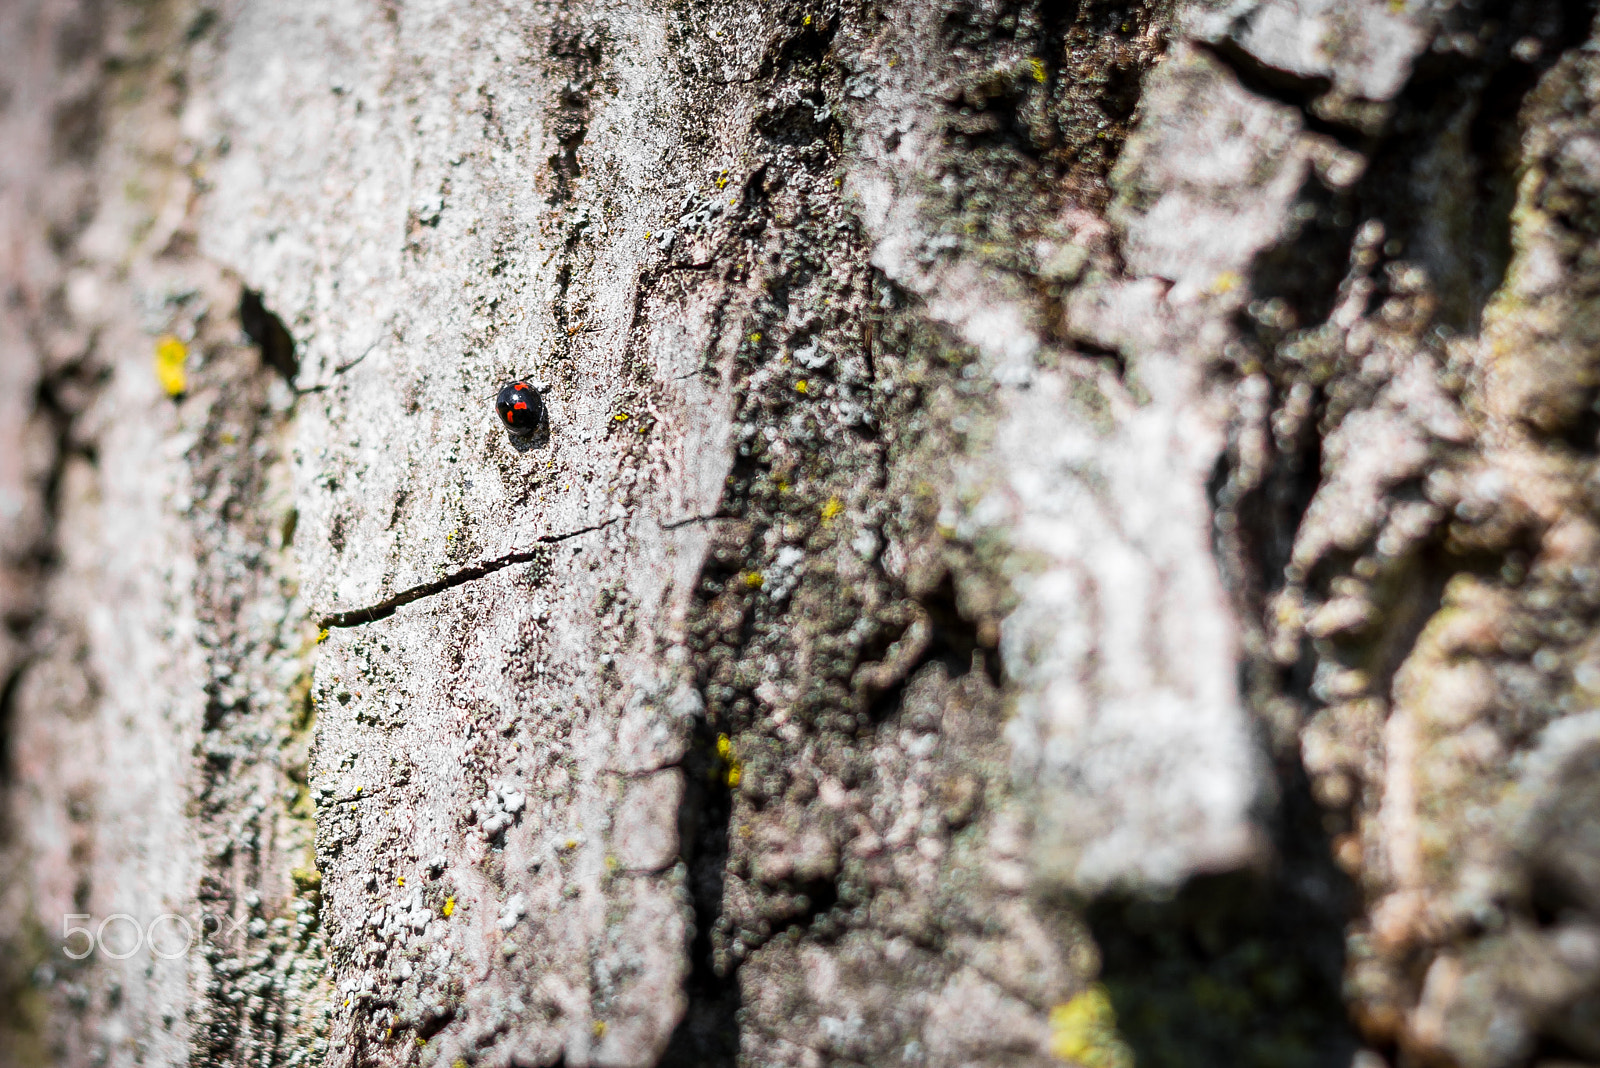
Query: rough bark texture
column 1067, row 532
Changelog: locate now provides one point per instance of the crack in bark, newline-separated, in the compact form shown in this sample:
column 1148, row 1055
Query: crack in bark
column 1303, row 92
column 385, row 608
column 674, row 524
column 323, row 387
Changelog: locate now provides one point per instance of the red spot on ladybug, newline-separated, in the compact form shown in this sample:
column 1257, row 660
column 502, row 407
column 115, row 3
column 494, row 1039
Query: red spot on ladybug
column 520, row 405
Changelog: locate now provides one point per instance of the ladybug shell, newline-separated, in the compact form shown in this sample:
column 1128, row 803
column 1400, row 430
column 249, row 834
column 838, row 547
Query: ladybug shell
column 520, row 408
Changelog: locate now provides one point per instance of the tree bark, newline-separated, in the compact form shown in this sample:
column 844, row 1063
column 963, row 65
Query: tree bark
column 1065, row 533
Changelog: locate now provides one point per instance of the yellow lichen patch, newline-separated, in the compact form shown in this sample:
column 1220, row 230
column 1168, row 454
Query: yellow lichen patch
column 449, row 907
column 802, row 386
column 322, row 635
column 1084, row 1030
column 599, row 1029
column 170, row 357
column 401, row 881
column 831, row 510
column 1226, row 282
column 732, row 771
column 753, row 580
column 1037, row 66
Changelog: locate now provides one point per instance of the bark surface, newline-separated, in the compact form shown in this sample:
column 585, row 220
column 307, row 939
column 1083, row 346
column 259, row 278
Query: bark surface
column 1066, row 533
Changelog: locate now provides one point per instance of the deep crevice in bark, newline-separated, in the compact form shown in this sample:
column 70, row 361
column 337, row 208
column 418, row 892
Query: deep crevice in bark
column 1244, row 968
column 708, row 1034
column 577, row 49
column 1298, row 91
column 8, row 704
column 1241, row 970
column 60, row 397
column 1460, row 112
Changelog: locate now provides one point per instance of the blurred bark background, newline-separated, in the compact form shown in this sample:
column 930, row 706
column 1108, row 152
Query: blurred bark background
column 1069, row 533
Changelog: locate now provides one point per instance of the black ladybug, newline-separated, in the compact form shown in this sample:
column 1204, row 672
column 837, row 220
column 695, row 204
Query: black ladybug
column 521, row 409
